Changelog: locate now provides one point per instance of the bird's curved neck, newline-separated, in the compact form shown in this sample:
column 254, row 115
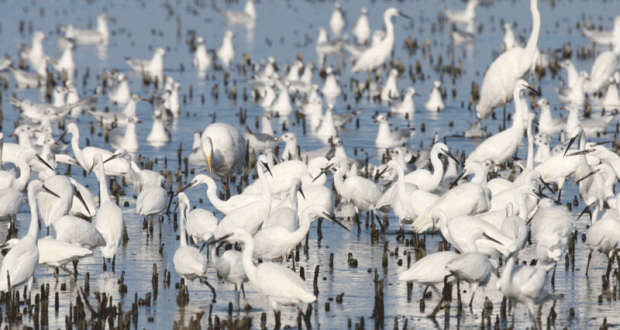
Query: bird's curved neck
column 24, row 170
column 213, row 197
column 33, row 230
column 266, row 191
column 339, row 178
column 293, row 199
column 437, row 167
column 75, row 145
column 104, row 193
column 530, row 146
column 182, row 234
column 248, row 264
column 471, row 244
column 532, row 43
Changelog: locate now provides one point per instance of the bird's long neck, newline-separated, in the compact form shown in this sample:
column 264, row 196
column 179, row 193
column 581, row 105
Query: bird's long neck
column 520, row 200
column 402, row 191
column 388, row 40
column 339, row 178
column 248, row 264
column 471, row 244
column 532, row 43
column 507, row 275
column 75, row 145
column 24, row 174
column 530, row 145
column 293, row 199
column 182, row 237
column 33, row 230
column 266, row 192
column 104, row 193
column 213, row 197
column 437, row 167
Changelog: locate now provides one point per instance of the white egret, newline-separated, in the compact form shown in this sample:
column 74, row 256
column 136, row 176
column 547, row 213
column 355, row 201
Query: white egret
column 281, row 285
column 277, row 241
column 251, row 216
column 375, row 56
column 285, row 214
column 359, row 191
column 423, row 178
column 200, row 223
column 603, row 67
column 109, row 219
column 20, row 263
column 429, row 270
column 153, row 199
column 503, row 74
column 229, row 267
column 472, row 267
column 466, row 199
column 78, row 232
column 501, row 146
column 525, row 284
column 86, row 156
column 552, row 227
column 188, row 261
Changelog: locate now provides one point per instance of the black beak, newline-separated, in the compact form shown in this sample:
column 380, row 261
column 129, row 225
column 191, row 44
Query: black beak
column 44, row 162
column 570, row 143
column 455, row 182
column 50, row 192
column 268, row 169
column 223, row 238
column 452, row 156
column 581, row 152
column 301, row 191
column 62, row 136
column 381, row 173
column 191, row 184
column 323, row 171
column 491, row 238
column 331, row 218
column 588, row 175
column 586, row 210
column 114, row 156
column 81, row 198
column 405, row 16
column 546, row 184
column 91, row 168
column 533, row 90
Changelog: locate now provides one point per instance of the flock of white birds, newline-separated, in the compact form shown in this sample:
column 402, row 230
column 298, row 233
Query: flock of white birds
column 507, row 204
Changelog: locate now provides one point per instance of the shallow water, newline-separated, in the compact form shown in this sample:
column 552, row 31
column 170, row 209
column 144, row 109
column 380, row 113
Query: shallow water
column 281, row 30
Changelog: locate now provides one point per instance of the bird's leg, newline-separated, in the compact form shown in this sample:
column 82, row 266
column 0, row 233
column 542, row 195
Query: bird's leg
column 553, row 276
column 245, row 302
column 238, row 298
column 113, row 263
column 559, row 194
column 204, row 280
column 504, row 122
column 75, row 263
column 66, row 270
column 105, row 267
column 425, row 289
column 610, row 264
column 293, row 261
column 588, row 265
column 473, row 293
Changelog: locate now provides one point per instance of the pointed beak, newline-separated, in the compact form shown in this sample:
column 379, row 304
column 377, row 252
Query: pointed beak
column 546, row 184
column 455, row 182
column 570, row 143
column 333, row 219
column 533, row 90
column 586, row 210
column 588, row 175
column 449, row 154
column 114, row 156
column 44, row 162
column 50, row 192
column 323, row 171
column 191, row 184
column 581, row 152
column 301, row 191
column 80, row 198
column 221, row 239
column 405, row 16
column 268, row 169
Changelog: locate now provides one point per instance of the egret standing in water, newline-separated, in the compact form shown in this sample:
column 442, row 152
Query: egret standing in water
column 375, row 56
column 109, row 219
column 20, row 263
column 507, row 69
